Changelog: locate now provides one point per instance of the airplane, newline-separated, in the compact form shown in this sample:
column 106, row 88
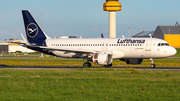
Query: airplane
column 101, row 51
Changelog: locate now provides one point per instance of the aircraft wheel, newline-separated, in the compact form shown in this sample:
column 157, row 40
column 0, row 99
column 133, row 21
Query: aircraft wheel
column 87, row 64
column 153, row 66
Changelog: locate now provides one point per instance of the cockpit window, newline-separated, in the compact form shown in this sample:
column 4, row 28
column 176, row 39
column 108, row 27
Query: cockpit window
column 163, row 44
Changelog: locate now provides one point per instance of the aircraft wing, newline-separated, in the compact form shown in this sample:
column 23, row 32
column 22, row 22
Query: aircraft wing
column 17, row 42
column 75, row 50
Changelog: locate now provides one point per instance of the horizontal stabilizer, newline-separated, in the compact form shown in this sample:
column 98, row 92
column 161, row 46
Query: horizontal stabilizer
column 25, row 40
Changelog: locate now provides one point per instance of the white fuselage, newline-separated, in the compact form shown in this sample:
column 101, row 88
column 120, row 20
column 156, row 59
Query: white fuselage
column 119, row 47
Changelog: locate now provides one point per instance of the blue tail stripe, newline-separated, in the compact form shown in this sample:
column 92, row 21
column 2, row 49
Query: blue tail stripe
column 34, row 33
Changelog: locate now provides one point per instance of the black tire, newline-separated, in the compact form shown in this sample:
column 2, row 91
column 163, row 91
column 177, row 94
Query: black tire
column 153, row 66
column 89, row 64
column 86, row 64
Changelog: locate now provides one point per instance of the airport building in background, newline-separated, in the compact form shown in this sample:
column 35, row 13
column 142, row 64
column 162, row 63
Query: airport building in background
column 6, row 47
column 143, row 34
column 171, row 34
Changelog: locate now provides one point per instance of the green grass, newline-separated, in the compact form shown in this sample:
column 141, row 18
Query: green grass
column 89, row 85
column 36, row 60
column 51, row 61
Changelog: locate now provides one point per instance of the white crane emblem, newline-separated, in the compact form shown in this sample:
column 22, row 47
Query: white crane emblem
column 32, row 30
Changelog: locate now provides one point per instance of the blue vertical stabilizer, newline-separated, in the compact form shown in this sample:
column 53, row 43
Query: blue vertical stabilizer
column 34, row 33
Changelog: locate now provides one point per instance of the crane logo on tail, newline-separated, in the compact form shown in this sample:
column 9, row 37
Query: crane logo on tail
column 32, row 30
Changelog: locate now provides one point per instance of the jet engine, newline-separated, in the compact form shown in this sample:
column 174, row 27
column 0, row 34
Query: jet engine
column 102, row 59
column 132, row 61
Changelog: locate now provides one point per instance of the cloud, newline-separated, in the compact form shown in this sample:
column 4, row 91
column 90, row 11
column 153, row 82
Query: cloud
column 104, row 29
column 11, row 34
column 2, row 32
column 94, row 29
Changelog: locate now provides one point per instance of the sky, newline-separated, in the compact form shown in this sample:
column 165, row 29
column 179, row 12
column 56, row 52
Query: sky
column 86, row 17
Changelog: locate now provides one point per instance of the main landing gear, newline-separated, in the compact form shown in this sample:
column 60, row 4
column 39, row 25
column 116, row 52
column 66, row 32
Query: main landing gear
column 152, row 63
column 87, row 64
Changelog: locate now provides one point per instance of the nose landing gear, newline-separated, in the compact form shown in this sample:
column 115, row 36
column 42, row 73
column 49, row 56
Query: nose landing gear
column 152, row 63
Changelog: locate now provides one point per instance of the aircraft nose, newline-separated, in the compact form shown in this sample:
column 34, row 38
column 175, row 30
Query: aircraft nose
column 173, row 51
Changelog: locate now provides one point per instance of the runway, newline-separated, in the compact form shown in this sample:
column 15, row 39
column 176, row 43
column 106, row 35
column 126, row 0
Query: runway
column 69, row 68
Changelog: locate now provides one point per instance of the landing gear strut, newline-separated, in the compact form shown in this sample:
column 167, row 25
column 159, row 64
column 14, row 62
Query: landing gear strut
column 87, row 64
column 152, row 63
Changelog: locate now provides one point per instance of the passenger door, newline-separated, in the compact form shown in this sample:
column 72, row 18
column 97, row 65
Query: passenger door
column 148, row 45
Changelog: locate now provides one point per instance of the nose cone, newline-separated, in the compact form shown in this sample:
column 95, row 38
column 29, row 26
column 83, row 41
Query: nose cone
column 173, row 51
column 167, row 51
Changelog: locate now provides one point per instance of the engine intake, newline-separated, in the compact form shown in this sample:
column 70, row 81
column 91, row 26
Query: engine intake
column 102, row 59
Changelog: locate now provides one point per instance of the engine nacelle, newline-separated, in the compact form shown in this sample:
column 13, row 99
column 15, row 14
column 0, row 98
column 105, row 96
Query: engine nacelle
column 64, row 54
column 102, row 59
column 132, row 61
